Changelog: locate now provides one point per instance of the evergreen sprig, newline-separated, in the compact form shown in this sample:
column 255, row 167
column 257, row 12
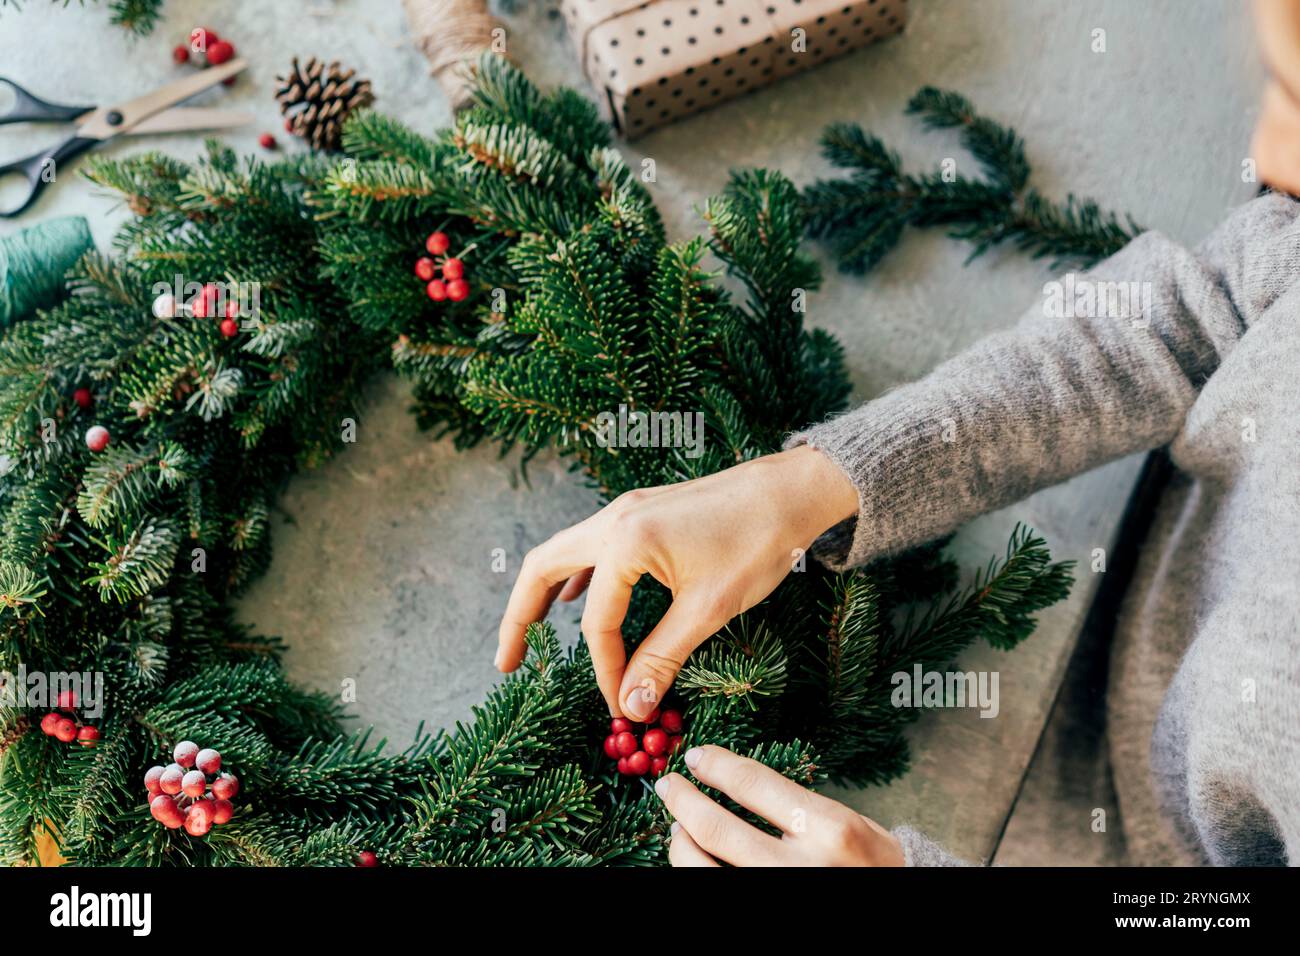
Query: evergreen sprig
column 862, row 217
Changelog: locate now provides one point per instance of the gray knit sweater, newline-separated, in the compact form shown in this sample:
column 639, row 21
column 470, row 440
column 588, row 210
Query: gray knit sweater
column 1203, row 355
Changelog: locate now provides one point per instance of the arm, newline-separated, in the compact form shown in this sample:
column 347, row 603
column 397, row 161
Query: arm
column 1058, row 394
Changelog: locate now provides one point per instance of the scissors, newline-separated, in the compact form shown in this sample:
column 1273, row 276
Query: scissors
column 154, row 112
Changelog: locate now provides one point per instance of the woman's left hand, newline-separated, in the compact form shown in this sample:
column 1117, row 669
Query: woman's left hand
column 817, row 831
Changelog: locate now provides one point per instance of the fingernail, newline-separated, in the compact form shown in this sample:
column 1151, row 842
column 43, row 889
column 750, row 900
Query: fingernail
column 693, row 756
column 661, row 787
column 636, row 705
column 496, row 661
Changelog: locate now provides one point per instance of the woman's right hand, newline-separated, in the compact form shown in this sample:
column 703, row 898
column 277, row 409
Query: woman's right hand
column 720, row 544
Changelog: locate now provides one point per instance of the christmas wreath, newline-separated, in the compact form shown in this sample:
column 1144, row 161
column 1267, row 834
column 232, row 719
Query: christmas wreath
column 517, row 271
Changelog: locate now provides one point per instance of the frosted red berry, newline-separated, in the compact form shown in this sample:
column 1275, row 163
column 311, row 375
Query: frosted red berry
column 199, row 818
column 83, row 398
column 437, row 243
column 163, row 809
column 194, row 783
column 229, row 328
column 367, row 858
column 424, row 268
column 151, row 777
column 655, row 742
column 97, row 438
column 638, row 764
column 171, row 780
column 49, row 722
column 453, row 269
column 436, row 290
column 208, row 760
column 457, row 290
column 87, row 736
column 222, row 811
column 226, row 786
column 185, row 752
column 65, row 730
column 266, row 141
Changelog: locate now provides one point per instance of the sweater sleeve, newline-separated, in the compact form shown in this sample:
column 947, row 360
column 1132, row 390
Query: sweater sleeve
column 920, row 850
column 1107, row 363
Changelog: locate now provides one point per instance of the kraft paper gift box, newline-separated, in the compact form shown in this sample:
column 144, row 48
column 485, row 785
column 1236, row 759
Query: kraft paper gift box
column 655, row 61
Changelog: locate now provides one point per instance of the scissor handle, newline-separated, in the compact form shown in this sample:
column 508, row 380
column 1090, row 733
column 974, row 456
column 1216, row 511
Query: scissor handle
column 40, row 169
column 28, row 108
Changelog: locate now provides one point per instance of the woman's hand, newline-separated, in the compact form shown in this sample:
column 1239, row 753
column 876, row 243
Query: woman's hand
column 816, row 830
column 720, row 544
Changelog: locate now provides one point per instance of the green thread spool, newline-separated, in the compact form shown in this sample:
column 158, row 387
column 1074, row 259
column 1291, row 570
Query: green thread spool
column 33, row 263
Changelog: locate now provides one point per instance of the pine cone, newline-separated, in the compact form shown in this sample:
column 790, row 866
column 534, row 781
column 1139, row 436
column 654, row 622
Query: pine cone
column 317, row 98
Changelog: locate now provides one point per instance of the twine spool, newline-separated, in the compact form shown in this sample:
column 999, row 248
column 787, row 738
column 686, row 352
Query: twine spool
column 451, row 34
column 33, row 263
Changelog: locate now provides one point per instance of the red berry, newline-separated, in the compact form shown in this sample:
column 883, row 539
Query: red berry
column 151, row 780
column 655, row 742
column 229, row 328
column 622, row 767
column 424, row 268
column 67, row 700
column 625, row 743
column 208, row 760
column 180, row 53
column 97, row 438
column 658, row 765
column 194, row 783
column 219, row 51
column 87, row 735
column 222, row 811
column 83, row 397
column 453, row 269
column 674, row 744
column 49, row 722
column 170, row 781
column 199, row 818
column 225, row 786
column 266, row 141
column 163, row 809
column 653, row 717
column 367, row 858
column 65, row 730
column 611, row 746
column 438, row 243
column 436, row 290
column 671, row 721
column 457, row 289
column 620, row 725
column 638, row 764
column 185, row 753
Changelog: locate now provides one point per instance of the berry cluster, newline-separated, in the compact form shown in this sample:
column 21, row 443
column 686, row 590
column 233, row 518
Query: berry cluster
column 205, row 49
column 65, row 728
column 453, row 284
column 649, row 755
column 210, row 302
column 179, row 793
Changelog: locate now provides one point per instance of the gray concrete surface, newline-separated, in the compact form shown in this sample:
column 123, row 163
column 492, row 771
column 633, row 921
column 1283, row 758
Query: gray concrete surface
column 383, row 567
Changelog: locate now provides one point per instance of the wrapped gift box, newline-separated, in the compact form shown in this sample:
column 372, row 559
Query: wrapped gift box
column 655, row 61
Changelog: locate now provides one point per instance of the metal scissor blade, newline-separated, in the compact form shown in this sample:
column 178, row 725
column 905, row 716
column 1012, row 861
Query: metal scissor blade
column 180, row 119
column 109, row 121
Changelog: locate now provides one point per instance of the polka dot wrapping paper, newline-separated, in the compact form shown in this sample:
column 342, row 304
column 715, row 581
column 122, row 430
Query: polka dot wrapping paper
column 655, row 61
